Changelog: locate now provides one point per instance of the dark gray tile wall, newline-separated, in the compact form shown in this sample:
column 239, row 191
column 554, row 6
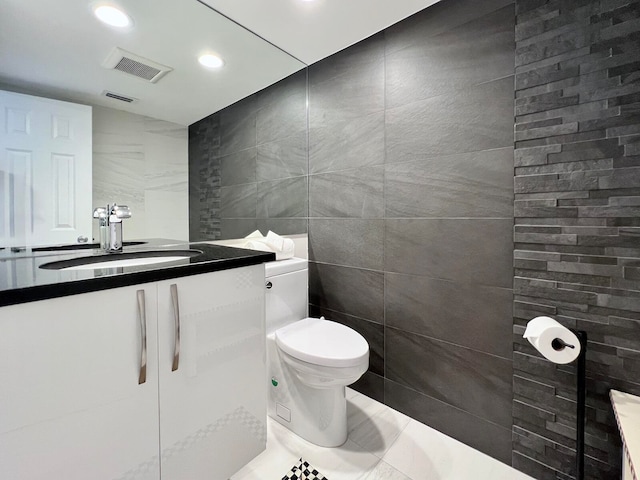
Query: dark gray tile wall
column 577, row 224
column 248, row 165
column 409, row 205
column 204, row 196
column 411, row 209
column 411, row 213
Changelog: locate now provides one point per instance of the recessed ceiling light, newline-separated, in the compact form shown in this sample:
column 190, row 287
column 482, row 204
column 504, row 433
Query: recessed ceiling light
column 210, row 61
column 112, row 16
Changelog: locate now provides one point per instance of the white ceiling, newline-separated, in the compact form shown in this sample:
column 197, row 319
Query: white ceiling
column 313, row 30
column 56, row 48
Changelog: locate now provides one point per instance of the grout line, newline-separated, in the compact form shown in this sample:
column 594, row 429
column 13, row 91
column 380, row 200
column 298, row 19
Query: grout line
column 448, row 342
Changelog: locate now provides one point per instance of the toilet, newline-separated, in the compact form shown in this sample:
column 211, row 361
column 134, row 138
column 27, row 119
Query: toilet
column 310, row 361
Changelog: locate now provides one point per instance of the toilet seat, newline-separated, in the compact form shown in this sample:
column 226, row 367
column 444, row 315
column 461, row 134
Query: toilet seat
column 322, row 342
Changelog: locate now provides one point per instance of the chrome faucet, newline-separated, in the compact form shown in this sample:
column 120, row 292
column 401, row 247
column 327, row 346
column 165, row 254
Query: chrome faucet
column 110, row 221
column 101, row 214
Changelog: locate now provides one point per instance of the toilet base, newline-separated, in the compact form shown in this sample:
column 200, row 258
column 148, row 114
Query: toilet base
column 319, row 415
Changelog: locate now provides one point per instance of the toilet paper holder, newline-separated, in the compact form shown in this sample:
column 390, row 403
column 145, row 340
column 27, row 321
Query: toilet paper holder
column 559, row 344
column 581, row 399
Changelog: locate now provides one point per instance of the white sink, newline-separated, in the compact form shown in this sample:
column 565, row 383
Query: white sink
column 119, row 260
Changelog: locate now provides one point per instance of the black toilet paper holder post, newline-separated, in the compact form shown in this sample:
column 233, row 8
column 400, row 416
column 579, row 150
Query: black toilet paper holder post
column 559, row 344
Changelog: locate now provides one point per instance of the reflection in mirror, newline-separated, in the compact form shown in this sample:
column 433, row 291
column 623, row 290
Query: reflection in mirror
column 249, row 165
column 139, row 147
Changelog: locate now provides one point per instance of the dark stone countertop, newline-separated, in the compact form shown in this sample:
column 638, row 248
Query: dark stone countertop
column 22, row 280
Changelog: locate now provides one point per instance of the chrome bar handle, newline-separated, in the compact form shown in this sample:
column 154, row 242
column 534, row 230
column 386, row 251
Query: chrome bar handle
column 176, row 321
column 142, row 317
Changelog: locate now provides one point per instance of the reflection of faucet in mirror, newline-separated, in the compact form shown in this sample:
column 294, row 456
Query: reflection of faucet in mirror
column 110, row 219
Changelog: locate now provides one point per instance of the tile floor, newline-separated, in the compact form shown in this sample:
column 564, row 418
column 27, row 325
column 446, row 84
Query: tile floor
column 382, row 444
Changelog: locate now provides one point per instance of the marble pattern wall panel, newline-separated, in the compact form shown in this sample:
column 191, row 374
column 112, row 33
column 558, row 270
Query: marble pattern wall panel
column 143, row 163
column 577, row 224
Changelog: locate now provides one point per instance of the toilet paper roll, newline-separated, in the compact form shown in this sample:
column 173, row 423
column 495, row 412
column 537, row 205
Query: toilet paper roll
column 553, row 340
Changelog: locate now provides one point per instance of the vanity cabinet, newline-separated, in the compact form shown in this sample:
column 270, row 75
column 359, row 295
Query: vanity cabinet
column 77, row 403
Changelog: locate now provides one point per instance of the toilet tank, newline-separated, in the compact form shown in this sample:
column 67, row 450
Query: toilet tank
column 287, row 292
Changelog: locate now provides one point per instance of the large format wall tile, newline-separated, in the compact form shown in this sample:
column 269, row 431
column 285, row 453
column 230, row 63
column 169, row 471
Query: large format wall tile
column 466, row 314
column 238, row 201
column 237, row 227
column 489, row 438
column 347, row 85
column 477, row 184
column 472, row 119
column 474, row 53
column 293, row 85
column 238, row 126
column 252, row 164
column 408, row 158
column 283, row 158
column 472, row 381
column 353, row 193
column 239, row 167
column 282, row 226
column 371, row 385
column 352, row 242
column 469, row 251
column 439, row 18
column 283, row 198
column 282, row 119
column 348, row 290
column 344, row 145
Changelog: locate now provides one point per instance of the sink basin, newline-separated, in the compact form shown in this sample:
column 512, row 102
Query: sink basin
column 78, row 246
column 117, row 260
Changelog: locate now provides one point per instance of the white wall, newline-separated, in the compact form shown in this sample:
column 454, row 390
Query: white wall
column 142, row 162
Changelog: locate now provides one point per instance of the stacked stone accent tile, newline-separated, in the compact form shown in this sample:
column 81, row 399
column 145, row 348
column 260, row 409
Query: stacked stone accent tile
column 204, row 176
column 577, row 223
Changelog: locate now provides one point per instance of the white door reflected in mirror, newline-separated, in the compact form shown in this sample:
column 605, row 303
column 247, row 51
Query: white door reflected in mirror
column 45, row 171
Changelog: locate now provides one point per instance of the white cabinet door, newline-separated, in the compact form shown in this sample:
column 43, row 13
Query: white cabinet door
column 213, row 396
column 71, row 405
column 45, row 171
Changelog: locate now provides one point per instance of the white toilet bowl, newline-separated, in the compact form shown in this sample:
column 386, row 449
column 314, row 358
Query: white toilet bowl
column 310, row 360
column 323, row 354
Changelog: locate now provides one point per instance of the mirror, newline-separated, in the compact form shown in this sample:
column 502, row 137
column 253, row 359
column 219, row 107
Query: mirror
column 59, row 50
column 249, row 165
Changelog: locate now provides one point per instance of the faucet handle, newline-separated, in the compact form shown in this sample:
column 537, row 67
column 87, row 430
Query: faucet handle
column 121, row 211
column 100, row 212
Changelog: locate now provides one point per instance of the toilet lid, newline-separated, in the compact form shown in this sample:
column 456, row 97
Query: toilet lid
column 323, row 342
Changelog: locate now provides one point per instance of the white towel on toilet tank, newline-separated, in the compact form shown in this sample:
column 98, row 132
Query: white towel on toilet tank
column 281, row 246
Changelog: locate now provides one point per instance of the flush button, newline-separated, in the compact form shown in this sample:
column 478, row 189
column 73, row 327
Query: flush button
column 283, row 412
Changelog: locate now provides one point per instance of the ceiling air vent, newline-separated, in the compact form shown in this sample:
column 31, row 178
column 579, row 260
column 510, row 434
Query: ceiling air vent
column 117, row 96
column 135, row 65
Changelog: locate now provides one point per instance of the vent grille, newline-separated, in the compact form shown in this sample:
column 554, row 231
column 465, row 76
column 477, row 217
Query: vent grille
column 117, row 96
column 130, row 66
column 135, row 65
